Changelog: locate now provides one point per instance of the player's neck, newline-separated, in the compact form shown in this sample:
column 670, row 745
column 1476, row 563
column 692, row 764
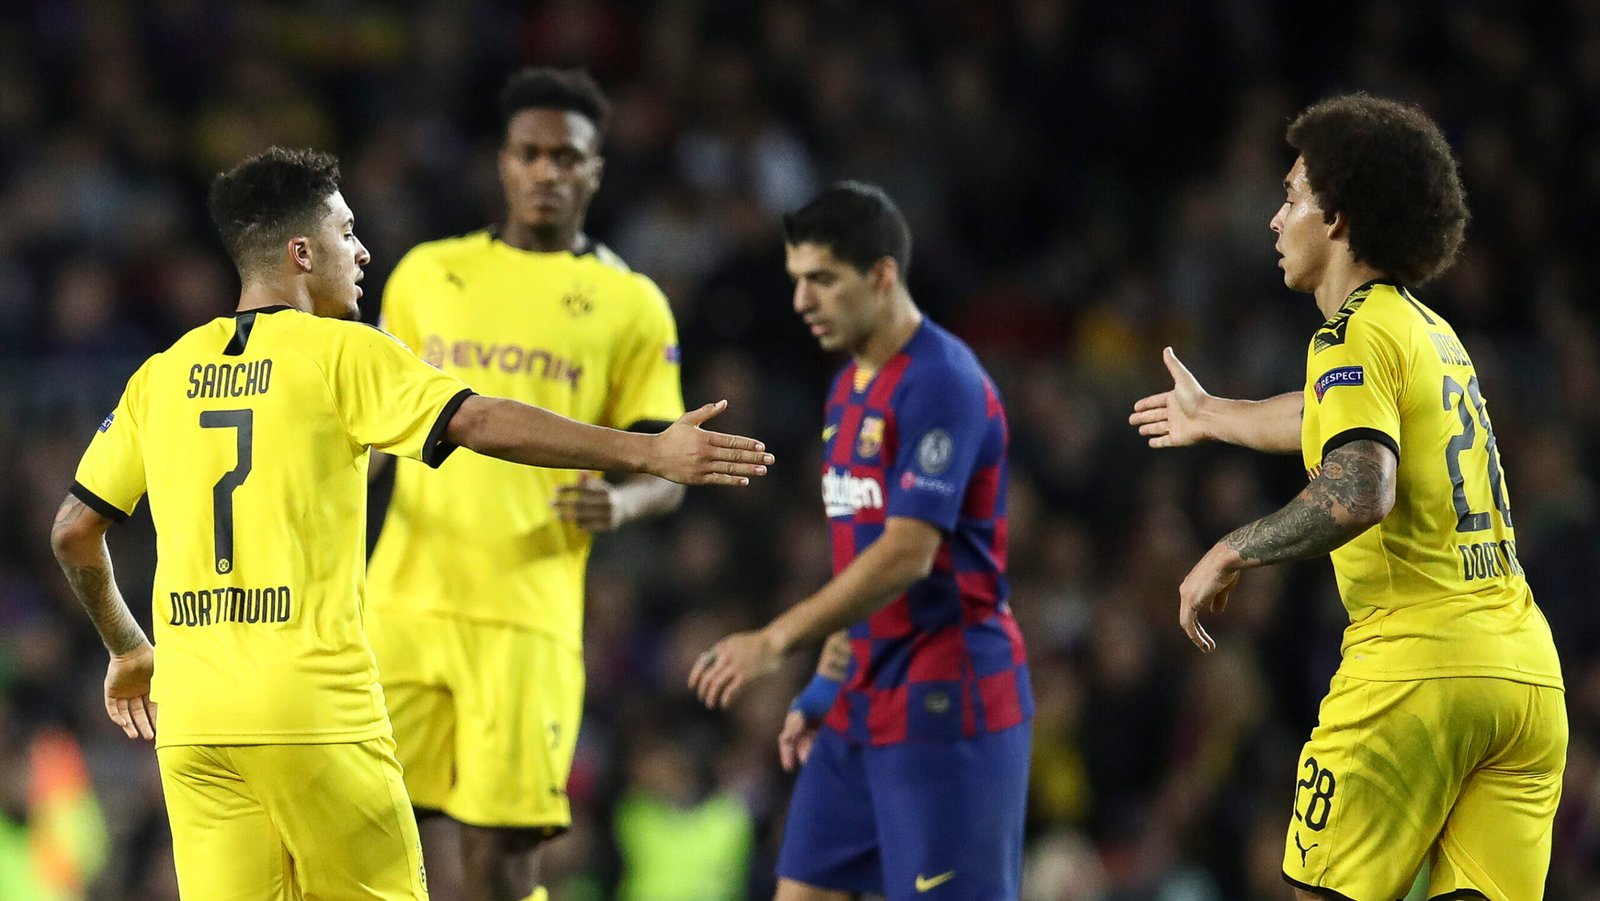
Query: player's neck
column 256, row 294
column 543, row 239
column 901, row 322
column 1343, row 276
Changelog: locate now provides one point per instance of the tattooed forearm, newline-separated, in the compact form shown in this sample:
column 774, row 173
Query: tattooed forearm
column 835, row 660
column 97, row 592
column 1353, row 491
column 81, row 550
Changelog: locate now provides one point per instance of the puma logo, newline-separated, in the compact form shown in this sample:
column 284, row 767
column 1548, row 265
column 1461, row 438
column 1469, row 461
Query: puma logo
column 1303, row 849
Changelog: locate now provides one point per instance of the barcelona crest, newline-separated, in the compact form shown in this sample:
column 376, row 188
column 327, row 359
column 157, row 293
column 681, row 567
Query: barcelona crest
column 871, row 437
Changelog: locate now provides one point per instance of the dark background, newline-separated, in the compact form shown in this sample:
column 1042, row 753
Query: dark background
column 1086, row 182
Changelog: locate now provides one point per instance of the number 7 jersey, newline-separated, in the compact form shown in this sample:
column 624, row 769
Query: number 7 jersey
column 250, row 437
column 1435, row 589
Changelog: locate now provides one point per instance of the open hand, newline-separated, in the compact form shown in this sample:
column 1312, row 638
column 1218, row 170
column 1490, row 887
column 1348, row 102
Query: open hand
column 690, row 455
column 1171, row 418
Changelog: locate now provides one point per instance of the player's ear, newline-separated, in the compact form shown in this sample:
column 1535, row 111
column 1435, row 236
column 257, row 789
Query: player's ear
column 300, row 252
column 1338, row 228
column 885, row 274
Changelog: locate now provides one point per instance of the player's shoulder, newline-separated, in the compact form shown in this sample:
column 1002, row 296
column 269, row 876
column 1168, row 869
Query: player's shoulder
column 609, row 259
column 615, row 275
column 1377, row 313
column 1392, row 308
column 203, row 335
column 320, row 336
column 445, row 255
column 938, row 356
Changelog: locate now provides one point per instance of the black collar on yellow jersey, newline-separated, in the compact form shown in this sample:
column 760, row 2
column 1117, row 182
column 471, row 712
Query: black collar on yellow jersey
column 244, row 321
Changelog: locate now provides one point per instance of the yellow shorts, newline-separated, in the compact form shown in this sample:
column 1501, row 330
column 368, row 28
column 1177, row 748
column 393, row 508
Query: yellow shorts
column 1462, row 774
column 485, row 716
column 284, row 822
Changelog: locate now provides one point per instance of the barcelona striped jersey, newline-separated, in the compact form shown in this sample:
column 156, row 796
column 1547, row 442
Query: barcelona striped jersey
column 925, row 437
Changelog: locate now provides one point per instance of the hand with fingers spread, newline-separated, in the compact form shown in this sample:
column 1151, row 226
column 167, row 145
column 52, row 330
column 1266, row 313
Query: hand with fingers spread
column 594, row 504
column 128, row 692
column 1206, row 588
column 720, row 674
column 1172, row 418
column 690, row 455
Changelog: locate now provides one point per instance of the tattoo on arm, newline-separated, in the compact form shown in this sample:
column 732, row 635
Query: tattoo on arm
column 88, row 571
column 835, row 660
column 1344, row 500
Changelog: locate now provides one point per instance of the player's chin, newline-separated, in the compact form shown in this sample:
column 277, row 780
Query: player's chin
column 830, row 341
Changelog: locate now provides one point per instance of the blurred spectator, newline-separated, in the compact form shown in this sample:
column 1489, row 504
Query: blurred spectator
column 1088, row 182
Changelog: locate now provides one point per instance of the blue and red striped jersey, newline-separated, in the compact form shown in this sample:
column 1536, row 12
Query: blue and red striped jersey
column 926, row 437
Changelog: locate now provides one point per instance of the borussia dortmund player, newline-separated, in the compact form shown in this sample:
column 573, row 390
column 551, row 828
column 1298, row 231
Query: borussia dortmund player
column 1443, row 735
column 478, row 575
column 914, row 734
column 250, row 435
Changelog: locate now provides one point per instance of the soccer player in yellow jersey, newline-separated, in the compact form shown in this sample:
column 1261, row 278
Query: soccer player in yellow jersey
column 478, row 576
column 250, row 435
column 1443, row 736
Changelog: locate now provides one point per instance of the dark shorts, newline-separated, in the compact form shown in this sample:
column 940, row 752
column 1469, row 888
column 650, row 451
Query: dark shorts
column 917, row 820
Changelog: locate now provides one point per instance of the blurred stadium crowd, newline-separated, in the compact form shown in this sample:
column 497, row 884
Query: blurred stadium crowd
column 1086, row 182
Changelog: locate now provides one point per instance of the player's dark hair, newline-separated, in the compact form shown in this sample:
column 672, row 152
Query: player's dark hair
column 1387, row 168
column 855, row 220
column 270, row 198
column 543, row 87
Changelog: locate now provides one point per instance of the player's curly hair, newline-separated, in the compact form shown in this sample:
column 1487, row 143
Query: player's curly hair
column 545, row 87
column 1386, row 167
column 263, row 202
column 857, row 221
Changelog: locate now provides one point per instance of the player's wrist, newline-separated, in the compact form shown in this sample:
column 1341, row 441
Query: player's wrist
column 1227, row 559
column 818, row 697
column 1211, row 417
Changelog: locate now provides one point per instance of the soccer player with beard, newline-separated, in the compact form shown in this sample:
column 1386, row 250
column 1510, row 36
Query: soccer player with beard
column 914, row 735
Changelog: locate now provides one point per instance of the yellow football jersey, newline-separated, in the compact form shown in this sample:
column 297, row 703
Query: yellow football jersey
column 1434, row 589
column 579, row 334
column 250, row 437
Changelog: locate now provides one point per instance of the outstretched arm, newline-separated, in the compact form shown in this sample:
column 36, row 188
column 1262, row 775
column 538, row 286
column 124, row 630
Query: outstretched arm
column 1353, row 492
column 903, row 554
column 600, row 505
column 684, row 453
column 78, row 539
column 1188, row 415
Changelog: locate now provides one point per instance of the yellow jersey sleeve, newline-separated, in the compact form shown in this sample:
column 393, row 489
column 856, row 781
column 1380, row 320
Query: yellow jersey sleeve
column 646, row 383
column 111, row 475
column 390, row 399
column 1358, row 386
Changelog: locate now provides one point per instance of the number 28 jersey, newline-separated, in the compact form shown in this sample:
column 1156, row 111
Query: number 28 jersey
column 250, row 437
column 1435, row 589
